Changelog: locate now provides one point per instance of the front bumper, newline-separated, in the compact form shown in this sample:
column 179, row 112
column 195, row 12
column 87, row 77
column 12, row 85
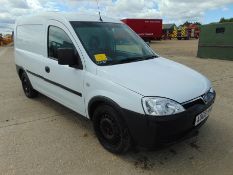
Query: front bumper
column 152, row 131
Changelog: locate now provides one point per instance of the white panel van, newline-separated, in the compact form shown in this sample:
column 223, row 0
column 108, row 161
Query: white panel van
column 104, row 71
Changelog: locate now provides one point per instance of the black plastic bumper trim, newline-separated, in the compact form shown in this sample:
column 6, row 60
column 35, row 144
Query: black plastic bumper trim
column 153, row 131
column 56, row 84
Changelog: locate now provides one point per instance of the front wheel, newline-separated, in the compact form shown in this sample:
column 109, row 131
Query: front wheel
column 111, row 130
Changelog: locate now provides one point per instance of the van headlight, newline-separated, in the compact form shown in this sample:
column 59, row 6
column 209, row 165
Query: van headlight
column 212, row 90
column 158, row 106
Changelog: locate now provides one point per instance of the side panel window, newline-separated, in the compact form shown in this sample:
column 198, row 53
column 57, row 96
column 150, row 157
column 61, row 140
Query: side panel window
column 220, row 30
column 57, row 38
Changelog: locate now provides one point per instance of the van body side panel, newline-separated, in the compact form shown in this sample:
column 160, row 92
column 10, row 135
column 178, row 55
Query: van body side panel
column 29, row 51
column 30, row 38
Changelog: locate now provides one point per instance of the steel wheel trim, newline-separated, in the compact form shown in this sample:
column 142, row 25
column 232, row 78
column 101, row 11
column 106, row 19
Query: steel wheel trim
column 109, row 130
column 26, row 86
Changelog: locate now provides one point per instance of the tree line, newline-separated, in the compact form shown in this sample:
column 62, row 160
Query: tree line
column 223, row 20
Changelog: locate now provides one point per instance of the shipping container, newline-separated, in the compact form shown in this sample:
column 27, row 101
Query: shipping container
column 216, row 41
column 147, row 29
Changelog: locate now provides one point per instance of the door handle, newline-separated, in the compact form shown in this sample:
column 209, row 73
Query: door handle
column 47, row 69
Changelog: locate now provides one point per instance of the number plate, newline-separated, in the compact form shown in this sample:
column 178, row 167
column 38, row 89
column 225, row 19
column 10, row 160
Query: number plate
column 201, row 117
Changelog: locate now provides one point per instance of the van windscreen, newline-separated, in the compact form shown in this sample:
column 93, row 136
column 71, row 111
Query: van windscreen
column 111, row 43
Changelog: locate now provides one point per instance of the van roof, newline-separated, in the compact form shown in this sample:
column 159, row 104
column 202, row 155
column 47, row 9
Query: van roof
column 41, row 18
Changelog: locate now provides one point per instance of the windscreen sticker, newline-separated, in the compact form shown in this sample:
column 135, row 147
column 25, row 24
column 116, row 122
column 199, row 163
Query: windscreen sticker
column 101, row 57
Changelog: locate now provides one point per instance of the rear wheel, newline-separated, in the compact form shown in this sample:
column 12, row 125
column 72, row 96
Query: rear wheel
column 27, row 87
column 111, row 130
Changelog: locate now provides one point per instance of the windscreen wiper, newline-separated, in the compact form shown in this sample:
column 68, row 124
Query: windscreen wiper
column 150, row 57
column 133, row 59
column 125, row 60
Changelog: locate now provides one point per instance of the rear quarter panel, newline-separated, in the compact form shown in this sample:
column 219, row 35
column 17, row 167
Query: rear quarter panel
column 30, row 50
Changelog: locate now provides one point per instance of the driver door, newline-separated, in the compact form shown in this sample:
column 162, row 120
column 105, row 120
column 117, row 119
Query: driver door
column 63, row 83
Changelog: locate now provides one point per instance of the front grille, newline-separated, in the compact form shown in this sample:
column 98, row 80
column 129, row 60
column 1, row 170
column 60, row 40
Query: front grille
column 193, row 103
column 202, row 100
column 208, row 97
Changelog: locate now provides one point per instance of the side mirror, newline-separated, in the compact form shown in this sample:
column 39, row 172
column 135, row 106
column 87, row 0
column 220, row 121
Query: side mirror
column 66, row 56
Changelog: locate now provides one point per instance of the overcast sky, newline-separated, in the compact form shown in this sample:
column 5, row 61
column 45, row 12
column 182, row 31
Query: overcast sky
column 171, row 11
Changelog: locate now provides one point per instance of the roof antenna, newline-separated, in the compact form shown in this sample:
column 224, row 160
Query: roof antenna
column 97, row 1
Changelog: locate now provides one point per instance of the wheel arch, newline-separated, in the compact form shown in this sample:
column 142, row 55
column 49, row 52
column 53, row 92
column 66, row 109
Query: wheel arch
column 19, row 70
column 97, row 100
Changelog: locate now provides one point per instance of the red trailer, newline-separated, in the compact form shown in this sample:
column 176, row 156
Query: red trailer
column 147, row 29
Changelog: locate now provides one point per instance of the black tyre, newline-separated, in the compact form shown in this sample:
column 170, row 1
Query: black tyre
column 27, row 87
column 111, row 130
